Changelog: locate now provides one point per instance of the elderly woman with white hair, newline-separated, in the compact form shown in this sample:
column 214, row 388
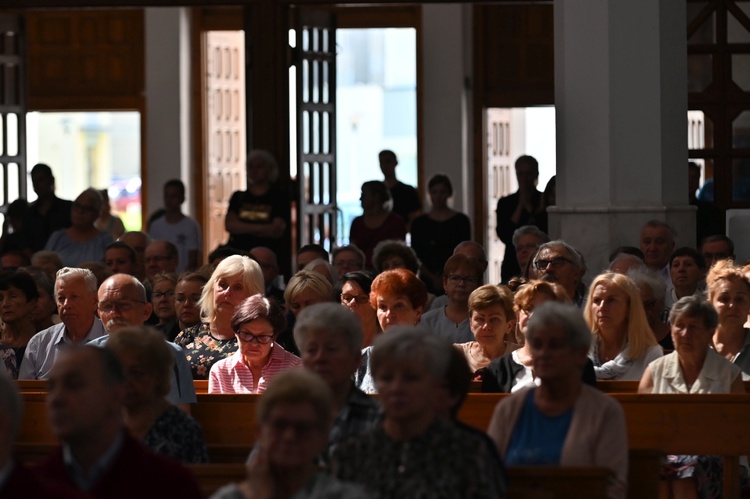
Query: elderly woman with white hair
column 561, row 422
column 693, row 367
column 330, row 341
column 405, row 455
column 235, row 278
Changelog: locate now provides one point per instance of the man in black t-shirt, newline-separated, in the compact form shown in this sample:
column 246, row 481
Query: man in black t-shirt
column 259, row 216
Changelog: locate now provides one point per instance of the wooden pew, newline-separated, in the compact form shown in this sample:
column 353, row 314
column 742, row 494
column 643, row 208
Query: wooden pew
column 524, row 482
column 547, row 482
column 675, row 424
column 617, row 386
column 32, row 385
column 201, row 386
column 212, row 477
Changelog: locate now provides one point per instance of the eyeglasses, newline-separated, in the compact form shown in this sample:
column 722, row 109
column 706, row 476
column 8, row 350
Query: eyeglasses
column 457, row 279
column 300, row 428
column 262, row 339
column 556, row 263
column 121, row 305
column 347, row 263
column 185, row 298
column 361, row 299
column 158, row 294
column 156, row 259
column 83, row 207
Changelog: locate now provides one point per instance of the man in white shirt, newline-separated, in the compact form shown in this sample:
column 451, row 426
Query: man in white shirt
column 75, row 295
column 178, row 228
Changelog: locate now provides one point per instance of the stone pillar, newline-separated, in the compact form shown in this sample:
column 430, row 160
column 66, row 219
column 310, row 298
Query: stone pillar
column 168, row 119
column 621, row 103
column 446, row 66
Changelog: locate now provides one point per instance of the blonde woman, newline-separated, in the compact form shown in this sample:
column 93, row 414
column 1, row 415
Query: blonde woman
column 728, row 291
column 235, row 278
column 623, row 343
column 306, row 288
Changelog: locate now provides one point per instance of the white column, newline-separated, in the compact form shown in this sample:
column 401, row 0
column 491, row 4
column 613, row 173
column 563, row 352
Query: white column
column 621, row 104
column 446, row 66
column 168, row 116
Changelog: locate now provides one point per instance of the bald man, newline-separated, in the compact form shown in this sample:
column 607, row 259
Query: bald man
column 122, row 302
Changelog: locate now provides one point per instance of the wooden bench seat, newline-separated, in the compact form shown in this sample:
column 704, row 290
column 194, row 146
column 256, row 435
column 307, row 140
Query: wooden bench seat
column 675, row 424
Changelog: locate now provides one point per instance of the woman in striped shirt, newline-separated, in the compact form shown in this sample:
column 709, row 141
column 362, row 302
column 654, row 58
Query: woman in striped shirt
column 256, row 323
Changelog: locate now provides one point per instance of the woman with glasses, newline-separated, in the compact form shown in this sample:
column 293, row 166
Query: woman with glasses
column 492, row 321
column 623, row 341
column 355, row 295
column 235, row 278
column 187, row 296
column 461, row 276
column 82, row 241
column 162, row 299
column 515, row 370
column 294, row 419
column 256, row 323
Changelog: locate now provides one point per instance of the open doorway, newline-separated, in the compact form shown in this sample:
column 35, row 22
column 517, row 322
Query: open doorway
column 510, row 133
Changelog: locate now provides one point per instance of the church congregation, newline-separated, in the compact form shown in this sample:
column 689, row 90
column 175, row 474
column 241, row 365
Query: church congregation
column 130, row 334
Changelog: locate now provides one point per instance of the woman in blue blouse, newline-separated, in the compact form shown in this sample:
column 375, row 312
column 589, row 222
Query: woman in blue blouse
column 562, row 421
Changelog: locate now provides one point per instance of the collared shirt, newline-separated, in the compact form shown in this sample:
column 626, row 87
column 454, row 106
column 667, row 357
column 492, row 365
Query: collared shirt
column 43, row 347
column 85, row 480
column 231, row 375
column 182, row 388
column 742, row 359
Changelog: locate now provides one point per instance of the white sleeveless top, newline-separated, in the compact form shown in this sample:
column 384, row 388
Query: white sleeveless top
column 716, row 376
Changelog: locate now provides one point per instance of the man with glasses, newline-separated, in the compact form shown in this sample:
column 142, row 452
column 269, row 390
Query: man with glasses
column 161, row 256
column 75, row 295
column 461, row 276
column 122, row 302
column 557, row 261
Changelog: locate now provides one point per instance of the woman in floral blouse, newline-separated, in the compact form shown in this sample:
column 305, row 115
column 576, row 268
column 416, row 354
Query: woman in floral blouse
column 235, row 278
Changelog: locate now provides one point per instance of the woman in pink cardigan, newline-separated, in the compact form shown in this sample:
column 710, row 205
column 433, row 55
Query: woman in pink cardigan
column 563, row 421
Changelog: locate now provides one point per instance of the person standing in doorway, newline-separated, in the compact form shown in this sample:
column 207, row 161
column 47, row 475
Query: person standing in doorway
column 406, row 203
column 523, row 207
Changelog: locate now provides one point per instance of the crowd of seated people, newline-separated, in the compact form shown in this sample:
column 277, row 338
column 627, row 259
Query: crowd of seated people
column 546, row 337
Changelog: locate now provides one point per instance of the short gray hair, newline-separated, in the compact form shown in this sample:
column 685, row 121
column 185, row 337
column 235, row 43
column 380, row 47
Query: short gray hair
column 530, row 230
column 334, row 319
column 695, row 306
column 267, row 158
column 404, row 344
column 67, row 273
column 565, row 315
column 646, row 277
column 575, row 256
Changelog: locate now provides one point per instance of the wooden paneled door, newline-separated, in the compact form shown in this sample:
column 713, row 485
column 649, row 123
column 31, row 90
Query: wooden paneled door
column 718, row 43
column 224, row 117
column 316, row 127
column 13, row 100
